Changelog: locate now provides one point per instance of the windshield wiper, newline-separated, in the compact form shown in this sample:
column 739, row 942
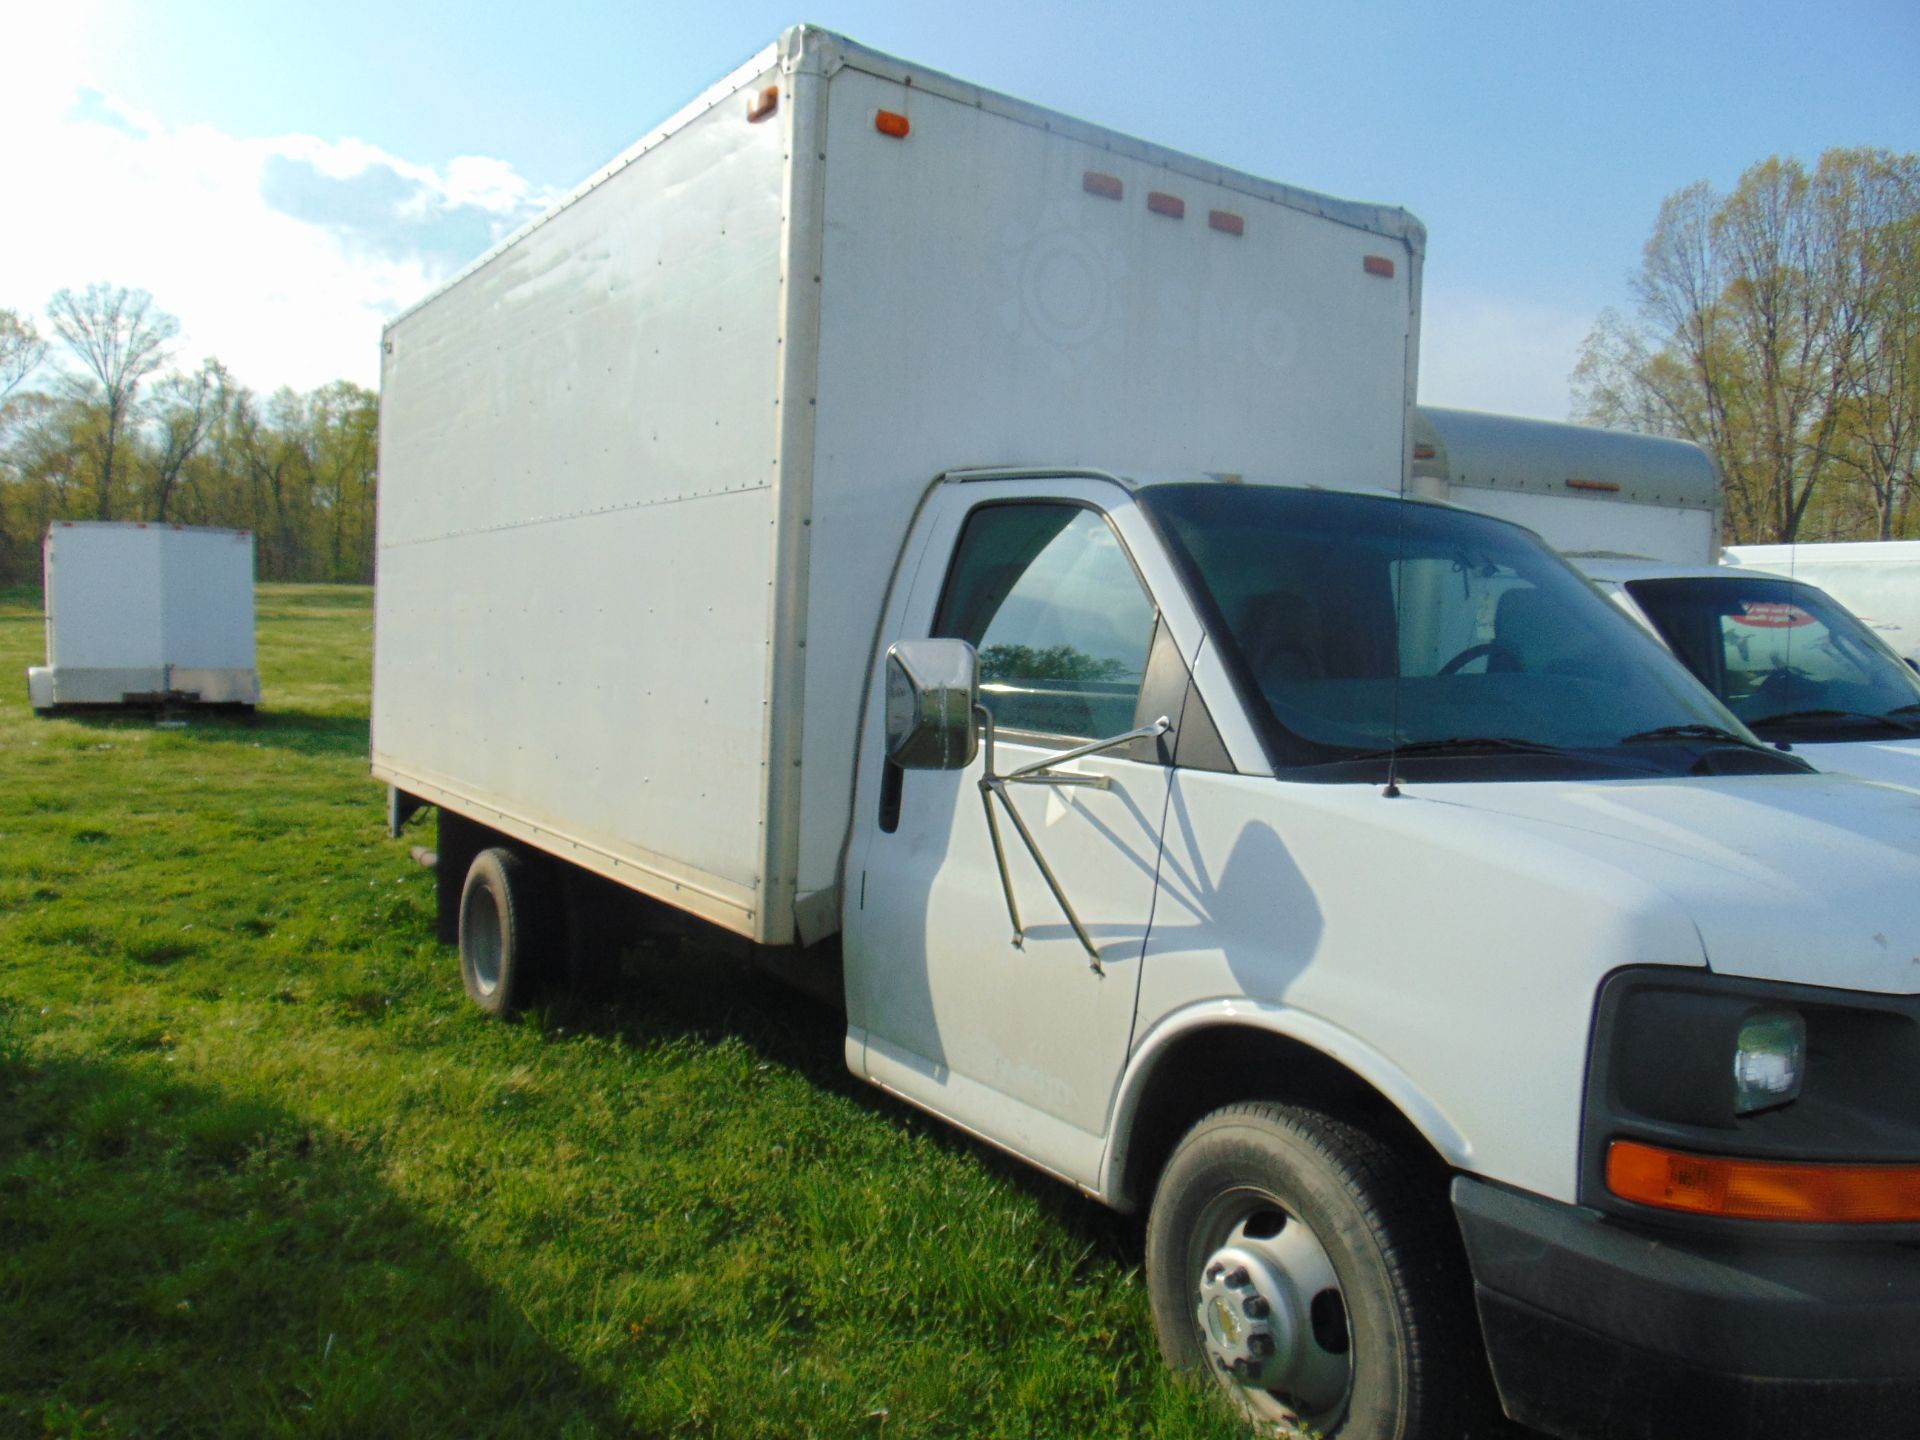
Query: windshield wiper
column 1464, row 744
column 1790, row 717
column 1692, row 731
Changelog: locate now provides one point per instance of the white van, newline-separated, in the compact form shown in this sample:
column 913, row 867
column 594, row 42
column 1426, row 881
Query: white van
column 1789, row 660
column 1878, row 580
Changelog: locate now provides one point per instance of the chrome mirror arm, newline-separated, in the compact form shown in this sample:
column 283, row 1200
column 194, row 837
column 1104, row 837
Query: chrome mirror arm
column 1036, row 773
column 994, row 786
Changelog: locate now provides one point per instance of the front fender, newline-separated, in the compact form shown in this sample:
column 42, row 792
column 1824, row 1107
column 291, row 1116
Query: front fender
column 1326, row 1038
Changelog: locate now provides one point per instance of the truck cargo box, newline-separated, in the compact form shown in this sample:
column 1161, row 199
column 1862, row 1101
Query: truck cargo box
column 146, row 613
column 647, row 465
column 1583, row 489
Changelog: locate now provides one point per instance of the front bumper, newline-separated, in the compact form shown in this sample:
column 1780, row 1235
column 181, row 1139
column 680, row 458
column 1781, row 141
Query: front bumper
column 1598, row 1330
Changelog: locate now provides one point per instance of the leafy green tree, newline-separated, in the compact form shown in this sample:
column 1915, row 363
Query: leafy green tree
column 1775, row 326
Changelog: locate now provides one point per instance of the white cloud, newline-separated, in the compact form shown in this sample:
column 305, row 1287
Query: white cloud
column 282, row 255
column 1479, row 352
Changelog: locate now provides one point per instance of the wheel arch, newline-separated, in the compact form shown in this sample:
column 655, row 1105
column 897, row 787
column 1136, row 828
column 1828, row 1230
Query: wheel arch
column 1224, row 1052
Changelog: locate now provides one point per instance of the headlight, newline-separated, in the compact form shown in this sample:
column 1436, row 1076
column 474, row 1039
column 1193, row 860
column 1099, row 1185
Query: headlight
column 1769, row 1060
column 1718, row 1099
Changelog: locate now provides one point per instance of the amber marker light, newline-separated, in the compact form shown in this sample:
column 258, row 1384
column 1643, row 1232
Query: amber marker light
column 763, row 104
column 892, row 122
column 1763, row 1189
column 1605, row 487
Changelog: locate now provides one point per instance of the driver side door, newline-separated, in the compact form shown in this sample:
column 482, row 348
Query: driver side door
column 1021, row 1040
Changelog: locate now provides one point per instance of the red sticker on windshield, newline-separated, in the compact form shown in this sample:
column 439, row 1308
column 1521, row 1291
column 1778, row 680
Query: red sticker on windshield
column 1771, row 615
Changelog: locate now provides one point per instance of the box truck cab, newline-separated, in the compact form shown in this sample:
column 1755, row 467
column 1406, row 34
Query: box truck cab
column 1319, row 845
column 1788, row 659
column 1337, row 879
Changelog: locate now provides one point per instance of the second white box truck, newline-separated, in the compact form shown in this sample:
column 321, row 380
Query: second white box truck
column 891, row 520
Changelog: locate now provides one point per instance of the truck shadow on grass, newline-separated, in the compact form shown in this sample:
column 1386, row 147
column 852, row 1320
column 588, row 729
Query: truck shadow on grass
column 301, row 732
column 179, row 1261
column 682, row 985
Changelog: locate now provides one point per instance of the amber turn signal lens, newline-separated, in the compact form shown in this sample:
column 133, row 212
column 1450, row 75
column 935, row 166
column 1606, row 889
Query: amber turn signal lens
column 892, row 122
column 1762, row 1189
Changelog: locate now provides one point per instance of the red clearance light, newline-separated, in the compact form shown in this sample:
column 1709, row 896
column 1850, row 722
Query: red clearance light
column 1763, row 1189
column 1378, row 265
column 760, row 106
column 892, row 122
column 1226, row 222
column 1608, row 487
column 1107, row 187
column 1161, row 203
column 1423, row 452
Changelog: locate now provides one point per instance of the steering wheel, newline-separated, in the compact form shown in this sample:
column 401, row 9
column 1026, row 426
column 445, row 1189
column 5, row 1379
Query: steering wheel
column 1472, row 653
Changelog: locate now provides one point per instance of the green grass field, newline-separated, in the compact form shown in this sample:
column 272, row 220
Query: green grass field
column 263, row 1170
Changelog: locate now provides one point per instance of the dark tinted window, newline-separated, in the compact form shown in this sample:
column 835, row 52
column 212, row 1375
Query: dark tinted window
column 1363, row 622
column 1773, row 648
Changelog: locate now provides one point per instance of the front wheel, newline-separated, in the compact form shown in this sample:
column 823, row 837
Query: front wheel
column 1305, row 1266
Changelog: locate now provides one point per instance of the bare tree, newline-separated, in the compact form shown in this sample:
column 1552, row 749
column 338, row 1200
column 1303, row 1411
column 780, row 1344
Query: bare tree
column 187, row 407
column 21, row 351
column 119, row 339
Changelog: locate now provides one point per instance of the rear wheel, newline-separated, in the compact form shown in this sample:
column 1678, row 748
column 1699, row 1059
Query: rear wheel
column 500, row 927
column 1305, row 1266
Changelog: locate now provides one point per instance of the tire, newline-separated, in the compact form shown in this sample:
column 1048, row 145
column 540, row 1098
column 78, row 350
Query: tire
column 500, row 932
column 1312, row 1272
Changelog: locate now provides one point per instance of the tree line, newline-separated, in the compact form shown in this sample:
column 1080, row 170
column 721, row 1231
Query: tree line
column 97, row 422
column 1778, row 325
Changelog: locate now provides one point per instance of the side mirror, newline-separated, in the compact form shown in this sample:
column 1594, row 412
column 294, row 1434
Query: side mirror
column 932, row 688
column 1915, row 664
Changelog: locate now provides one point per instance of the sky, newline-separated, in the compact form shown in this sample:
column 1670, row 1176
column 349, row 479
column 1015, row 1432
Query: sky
column 283, row 177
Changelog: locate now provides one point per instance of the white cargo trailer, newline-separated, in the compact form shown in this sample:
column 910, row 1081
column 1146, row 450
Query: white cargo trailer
column 877, row 506
column 146, row 614
column 643, row 468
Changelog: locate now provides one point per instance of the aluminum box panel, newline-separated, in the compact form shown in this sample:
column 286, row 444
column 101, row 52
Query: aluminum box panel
column 578, row 445
column 980, row 306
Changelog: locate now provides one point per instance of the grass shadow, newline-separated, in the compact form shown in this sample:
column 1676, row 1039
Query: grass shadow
column 300, row 731
column 683, row 982
column 145, row 1223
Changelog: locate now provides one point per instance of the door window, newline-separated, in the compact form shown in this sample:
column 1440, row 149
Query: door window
column 1048, row 597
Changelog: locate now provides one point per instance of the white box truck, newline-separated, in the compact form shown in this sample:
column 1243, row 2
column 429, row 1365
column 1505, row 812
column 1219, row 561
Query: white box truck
column 146, row 614
column 965, row 548
column 1640, row 515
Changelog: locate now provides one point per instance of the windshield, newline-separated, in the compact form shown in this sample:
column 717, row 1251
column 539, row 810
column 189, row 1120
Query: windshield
column 1360, row 623
column 1786, row 658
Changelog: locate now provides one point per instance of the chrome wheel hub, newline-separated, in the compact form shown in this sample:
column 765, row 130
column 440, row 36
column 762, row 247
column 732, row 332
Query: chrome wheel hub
column 1273, row 1323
